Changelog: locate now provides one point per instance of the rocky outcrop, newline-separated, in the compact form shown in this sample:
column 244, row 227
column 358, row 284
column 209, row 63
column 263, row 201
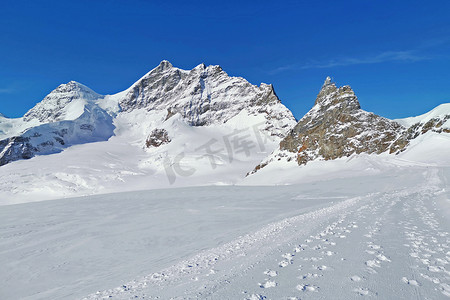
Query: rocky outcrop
column 157, row 138
column 436, row 125
column 337, row 127
column 16, row 148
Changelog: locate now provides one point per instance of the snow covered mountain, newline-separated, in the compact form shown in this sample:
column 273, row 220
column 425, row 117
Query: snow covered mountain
column 69, row 115
column 74, row 114
column 205, row 95
column 194, row 127
column 337, row 127
column 171, row 127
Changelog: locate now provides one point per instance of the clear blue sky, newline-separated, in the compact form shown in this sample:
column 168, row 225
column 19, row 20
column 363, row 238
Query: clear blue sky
column 394, row 54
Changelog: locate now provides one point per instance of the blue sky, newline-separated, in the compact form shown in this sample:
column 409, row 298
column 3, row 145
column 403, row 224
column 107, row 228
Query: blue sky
column 394, row 54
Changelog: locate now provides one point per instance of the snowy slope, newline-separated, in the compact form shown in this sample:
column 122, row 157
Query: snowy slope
column 123, row 163
column 385, row 236
column 439, row 112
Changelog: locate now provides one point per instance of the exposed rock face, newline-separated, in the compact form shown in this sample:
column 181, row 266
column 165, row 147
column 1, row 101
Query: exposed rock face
column 157, row 138
column 206, row 95
column 436, row 125
column 15, row 148
column 337, row 127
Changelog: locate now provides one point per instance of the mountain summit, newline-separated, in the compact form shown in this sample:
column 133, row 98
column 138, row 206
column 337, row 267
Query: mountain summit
column 66, row 102
column 337, row 127
column 204, row 95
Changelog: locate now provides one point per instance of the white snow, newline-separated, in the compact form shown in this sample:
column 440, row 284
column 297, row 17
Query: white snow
column 441, row 110
column 124, row 164
column 15, row 126
column 227, row 242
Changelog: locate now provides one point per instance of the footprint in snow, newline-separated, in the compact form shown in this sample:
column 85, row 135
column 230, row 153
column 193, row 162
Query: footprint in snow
column 256, row 297
column 271, row 273
column 314, row 259
column 320, row 268
column 381, row 257
column 434, row 269
column 310, row 275
column 445, row 289
column 298, row 249
column 362, row 291
column 307, row 288
column 373, row 246
column 355, row 278
column 267, row 284
column 410, row 281
column 288, row 256
column 373, row 263
column 283, row 263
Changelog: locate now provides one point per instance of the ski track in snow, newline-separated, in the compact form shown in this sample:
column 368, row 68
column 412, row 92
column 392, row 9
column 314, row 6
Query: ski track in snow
column 384, row 245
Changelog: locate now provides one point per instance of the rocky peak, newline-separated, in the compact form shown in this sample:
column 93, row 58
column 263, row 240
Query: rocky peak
column 205, row 95
column 332, row 97
column 164, row 66
column 336, row 127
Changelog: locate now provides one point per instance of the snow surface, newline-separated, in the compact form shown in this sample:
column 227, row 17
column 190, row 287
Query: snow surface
column 124, row 164
column 385, row 235
column 10, row 127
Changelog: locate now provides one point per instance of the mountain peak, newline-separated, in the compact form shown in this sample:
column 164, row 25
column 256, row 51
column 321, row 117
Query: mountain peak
column 201, row 66
column 337, row 127
column 327, row 81
column 203, row 96
column 64, row 102
column 332, row 97
column 75, row 87
column 165, row 65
